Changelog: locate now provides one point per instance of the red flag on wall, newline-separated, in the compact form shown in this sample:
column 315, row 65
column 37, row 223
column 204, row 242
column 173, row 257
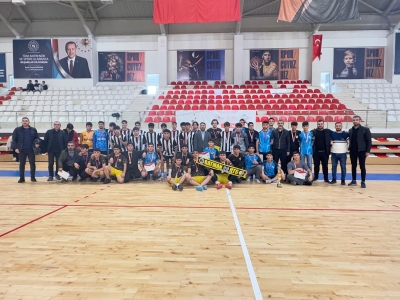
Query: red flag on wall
column 195, row 11
column 317, row 46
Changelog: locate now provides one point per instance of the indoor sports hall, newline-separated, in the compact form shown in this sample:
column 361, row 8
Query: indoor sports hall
column 140, row 75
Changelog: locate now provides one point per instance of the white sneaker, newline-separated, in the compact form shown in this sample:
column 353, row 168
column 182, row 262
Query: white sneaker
column 257, row 181
column 267, row 181
column 14, row 158
column 248, row 179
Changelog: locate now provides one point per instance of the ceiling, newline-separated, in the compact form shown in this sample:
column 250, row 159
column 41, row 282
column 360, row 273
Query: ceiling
column 124, row 17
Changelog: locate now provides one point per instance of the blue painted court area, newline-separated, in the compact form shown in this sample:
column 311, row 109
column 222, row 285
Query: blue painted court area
column 9, row 173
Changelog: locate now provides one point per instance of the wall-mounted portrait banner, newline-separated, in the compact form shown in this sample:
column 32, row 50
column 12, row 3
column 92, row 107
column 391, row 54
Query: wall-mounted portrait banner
column 274, row 64
column 3, row 73
column 52, row 58
column 359, row 63
column 397, row 54
column 121, row 66
column 201, row 65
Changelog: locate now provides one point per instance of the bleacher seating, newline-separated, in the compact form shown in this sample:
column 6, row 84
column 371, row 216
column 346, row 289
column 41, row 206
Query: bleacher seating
column 377, row 95
column 66, row 105
column 287, row 100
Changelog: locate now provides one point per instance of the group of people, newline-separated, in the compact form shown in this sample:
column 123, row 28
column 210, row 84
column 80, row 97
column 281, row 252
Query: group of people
column 269, row 155
column 33, row 87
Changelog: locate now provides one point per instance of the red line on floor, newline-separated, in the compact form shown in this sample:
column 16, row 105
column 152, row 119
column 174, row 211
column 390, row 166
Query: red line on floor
column 33, row 221
column 207, row 207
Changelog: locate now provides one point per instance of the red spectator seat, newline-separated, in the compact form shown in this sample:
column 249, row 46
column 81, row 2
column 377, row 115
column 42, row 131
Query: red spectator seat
column 160, row 113
column 188, row 102
column 242, row 107
column 152, row 113
column 187, row 107
column 173, row 82
column 310, row 119
column 181, row 101
column 306, row 81
column 235, row 107
column 329, row 96
column 210, row 107
column 251, row 107
column 267, row 107
column 292, row 119
column 338, row 119
column 148, row 120
column 203, row 107
column 234, row 101
column 219, row 107
column 204, row 82
column 218, row 101
column 163, row 107
column 157, row 120
column 155, row 107
column 259, row 107
column 227, row 107
column 328, row 119
column 169, row 113
column 347, row 119
column 301, row 119
column 283, row 86
column 341, row 106
column 196, row 101
column 171, row 107
column 295, row 101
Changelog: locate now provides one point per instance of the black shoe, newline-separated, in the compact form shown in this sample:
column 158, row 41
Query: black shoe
column 21, row 180
column 326, row 180
column 102, row 179
column 239, row 180
column 174, row 187
column 107, row 181
column 352, row 183
column 307, row 183
column 81, row 179
column 74, row 178
column 333, row 182
column 33, row 179
column 63, row 180
column 50, row 178
column 363, row 186
column 315, row 179
column 94, row 179
column 343, row 182
column 180, row 187
column 58, row 177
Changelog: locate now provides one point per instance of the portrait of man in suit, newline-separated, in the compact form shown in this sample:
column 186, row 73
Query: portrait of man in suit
column 75, row 66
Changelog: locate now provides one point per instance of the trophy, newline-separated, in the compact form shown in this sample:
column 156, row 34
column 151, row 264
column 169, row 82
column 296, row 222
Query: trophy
column 279, row 185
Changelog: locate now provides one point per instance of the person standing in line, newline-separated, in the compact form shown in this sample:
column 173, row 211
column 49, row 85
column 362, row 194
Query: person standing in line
column 215, row 132
column 56, row 141
column 72, row 134
column 263, row 144
column 306, row 148
column 294, row 140
column 252, row 135
column 339, row 152
column 226, row 142
column 201, row 138
column 100, row 138
column 239, row 137
column 271, row 122
column 322, row 148
column 22, row 141
column 360, row 146
column 86, row 137
column 280, row 145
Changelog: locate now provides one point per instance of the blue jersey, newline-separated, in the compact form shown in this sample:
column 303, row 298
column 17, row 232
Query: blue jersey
column 270, row 168
column 213, row 152
column 306, row 140
column 100, row 140
column 264, row 139
column 249, row 159
column 150, row 158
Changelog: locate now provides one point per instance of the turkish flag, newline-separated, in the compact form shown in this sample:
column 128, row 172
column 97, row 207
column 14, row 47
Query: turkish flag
column 317, row 46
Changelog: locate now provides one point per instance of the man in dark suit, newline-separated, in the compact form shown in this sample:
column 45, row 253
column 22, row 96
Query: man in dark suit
column 75, row 66
column 56, row 141
column 22, row 141
column 201, row 138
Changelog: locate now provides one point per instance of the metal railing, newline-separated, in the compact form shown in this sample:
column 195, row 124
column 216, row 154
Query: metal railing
column 371, row 118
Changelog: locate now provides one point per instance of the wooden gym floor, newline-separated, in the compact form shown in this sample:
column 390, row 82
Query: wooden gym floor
column 145, row 241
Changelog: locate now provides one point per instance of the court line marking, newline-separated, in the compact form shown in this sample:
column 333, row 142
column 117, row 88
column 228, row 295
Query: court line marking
column 204, row 207
column 250, row 269
column 33, row 221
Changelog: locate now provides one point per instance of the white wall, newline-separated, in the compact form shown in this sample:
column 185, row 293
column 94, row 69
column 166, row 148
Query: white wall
column 225, row 41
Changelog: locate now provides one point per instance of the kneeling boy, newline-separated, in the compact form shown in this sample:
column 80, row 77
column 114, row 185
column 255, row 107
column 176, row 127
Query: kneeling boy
column 270, row 170
column 198, row 175
column 176, row 175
